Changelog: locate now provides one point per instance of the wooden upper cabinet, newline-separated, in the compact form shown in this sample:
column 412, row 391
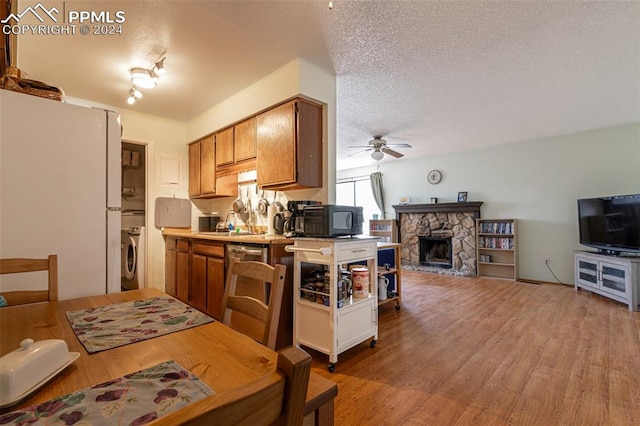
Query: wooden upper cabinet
column 289, row 146
column 284, row 145
column 244, row 140
column 194, row 169
column 207, row 166
column 202, row 172
column 276, row 145
column 224, row 147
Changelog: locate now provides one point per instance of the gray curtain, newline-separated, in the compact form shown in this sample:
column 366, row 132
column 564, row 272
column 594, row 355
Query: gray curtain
column 378, row 193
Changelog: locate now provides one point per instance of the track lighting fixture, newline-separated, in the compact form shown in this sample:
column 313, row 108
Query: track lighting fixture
column 159, row 68
column 145, row 79
column 134, row 95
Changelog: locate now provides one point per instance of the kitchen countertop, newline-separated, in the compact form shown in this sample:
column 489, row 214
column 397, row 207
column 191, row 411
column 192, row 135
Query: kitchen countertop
column 227, row 237
column 355, row 238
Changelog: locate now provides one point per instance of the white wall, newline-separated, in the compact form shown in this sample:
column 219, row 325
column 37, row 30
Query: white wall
column 321, row 85
column 537, row 182
column 273, row 88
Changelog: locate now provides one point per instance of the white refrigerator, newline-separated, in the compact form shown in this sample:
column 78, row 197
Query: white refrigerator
column 60, row 192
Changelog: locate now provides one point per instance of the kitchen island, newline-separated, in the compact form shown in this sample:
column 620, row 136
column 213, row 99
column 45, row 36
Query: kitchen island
column 195, row 269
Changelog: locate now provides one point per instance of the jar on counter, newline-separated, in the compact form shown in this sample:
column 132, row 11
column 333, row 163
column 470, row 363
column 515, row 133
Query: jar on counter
column 360, row 281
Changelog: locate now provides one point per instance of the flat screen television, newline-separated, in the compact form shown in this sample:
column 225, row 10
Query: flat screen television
column 610, row 224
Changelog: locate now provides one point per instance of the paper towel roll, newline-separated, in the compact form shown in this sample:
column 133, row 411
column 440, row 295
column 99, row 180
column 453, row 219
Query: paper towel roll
column 271, row 214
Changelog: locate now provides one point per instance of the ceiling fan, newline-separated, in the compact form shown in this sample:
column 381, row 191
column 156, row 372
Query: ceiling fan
column 380, row 146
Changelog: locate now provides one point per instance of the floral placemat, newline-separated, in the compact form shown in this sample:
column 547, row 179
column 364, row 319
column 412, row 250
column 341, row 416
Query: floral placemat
column 119, row 324
column 134, row 399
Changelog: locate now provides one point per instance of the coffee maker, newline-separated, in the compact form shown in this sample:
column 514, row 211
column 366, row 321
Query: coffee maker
column 294, row 227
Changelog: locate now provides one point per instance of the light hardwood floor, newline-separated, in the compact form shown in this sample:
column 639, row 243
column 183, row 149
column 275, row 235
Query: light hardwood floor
column 478, row 351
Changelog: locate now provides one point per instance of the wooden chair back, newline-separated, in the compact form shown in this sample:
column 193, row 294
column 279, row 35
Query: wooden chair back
column 20, row 265
column 263, row 402
column 258, row 273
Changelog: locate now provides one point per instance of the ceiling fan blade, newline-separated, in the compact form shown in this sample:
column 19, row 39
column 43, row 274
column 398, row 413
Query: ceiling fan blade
column 360, row 146
column 398, row 145
column 392, row 152
column 358, row 153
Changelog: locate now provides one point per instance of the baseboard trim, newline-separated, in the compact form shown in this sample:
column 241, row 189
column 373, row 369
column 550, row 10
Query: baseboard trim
column 528, row 281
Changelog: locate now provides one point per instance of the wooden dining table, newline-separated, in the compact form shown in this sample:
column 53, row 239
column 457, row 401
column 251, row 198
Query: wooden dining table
column 221, row 357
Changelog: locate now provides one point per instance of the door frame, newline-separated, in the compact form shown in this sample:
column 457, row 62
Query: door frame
column 148, row 206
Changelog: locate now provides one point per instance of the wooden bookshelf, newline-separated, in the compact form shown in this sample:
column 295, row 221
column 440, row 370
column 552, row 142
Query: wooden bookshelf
column 497, row 248
column 386, row 229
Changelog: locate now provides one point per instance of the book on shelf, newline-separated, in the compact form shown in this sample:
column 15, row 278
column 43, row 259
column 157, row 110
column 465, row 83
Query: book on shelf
column 376, row 227
column 496, row 228
column 496, row 243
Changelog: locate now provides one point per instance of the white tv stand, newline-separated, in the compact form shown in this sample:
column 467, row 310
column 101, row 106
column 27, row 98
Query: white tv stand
column 611, row 276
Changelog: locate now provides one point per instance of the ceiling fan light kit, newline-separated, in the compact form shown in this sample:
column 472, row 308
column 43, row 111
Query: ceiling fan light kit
column 380, row 147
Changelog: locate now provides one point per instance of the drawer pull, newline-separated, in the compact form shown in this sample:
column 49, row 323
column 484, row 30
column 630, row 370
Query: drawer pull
column 323, row 250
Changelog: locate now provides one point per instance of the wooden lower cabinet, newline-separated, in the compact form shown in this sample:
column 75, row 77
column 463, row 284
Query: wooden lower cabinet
column 183, row 272
column 198, row 294
column 278, row 255
column 195, row 272
column 207, row 277
column 177, row 268
column 170, row 260
column 207, row 288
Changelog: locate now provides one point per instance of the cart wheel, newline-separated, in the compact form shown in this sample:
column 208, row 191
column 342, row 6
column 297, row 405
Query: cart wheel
column 397, row 307
column 373, row 343
column 331, row 367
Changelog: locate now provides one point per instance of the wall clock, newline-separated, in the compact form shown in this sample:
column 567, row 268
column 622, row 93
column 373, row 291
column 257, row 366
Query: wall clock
column 434, row 176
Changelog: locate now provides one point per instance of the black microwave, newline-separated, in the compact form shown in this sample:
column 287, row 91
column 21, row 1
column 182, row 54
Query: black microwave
column 328, row 221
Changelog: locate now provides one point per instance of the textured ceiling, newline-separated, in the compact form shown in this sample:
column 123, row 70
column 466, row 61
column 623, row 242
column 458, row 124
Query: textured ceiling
column 443, row 76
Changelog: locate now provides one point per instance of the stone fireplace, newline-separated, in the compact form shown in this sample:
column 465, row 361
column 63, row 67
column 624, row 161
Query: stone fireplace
column 439, row 237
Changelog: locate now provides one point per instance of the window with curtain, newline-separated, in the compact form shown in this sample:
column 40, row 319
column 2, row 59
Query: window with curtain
column 357, row 192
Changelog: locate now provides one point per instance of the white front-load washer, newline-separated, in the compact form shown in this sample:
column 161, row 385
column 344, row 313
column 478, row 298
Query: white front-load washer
column 133, row 258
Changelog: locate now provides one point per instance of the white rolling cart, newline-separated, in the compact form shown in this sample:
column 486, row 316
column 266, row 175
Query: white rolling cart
column 321, row 320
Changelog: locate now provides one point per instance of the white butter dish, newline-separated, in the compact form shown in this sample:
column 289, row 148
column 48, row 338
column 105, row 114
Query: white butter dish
column 32, row 365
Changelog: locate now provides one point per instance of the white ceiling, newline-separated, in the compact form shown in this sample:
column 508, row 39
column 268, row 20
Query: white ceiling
column 443, row 76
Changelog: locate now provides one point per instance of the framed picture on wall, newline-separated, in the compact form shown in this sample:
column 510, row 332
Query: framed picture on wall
column 462, row 197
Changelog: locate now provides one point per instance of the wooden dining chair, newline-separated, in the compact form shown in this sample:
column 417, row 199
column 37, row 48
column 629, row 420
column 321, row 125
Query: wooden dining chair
column 263, row 402
column 20, row 265
column 265, row 313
